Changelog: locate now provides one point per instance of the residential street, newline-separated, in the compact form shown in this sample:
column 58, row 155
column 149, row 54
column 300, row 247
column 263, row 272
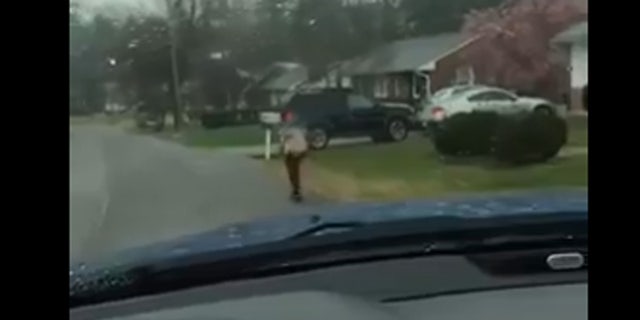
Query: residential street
column 128, row 190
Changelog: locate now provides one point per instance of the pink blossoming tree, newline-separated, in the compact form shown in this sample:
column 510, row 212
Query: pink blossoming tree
column 516, row 50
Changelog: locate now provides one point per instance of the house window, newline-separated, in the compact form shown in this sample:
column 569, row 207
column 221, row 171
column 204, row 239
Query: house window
column 346, row 82
column 381, row 89
column 401, row 87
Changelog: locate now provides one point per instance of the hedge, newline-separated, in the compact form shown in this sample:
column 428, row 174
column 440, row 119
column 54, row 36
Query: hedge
column 466, row 134
column 530, row 138
column 515, row 139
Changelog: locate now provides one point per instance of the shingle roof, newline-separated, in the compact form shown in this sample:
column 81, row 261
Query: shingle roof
column 404, row 55
column 576, row 33
column 285, row 76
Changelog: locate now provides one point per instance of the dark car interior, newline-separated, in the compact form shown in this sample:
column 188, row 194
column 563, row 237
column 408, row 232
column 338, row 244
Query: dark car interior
column 508, row 284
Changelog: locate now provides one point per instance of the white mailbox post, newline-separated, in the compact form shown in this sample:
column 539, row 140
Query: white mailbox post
column 269, row 120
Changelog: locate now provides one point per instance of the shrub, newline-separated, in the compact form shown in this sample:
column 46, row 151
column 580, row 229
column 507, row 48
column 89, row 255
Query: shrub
column 466, row 134
column 528, row 138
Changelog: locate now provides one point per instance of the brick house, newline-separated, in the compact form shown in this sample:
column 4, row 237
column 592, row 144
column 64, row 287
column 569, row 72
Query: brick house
column 573, row 42
column 408, row 71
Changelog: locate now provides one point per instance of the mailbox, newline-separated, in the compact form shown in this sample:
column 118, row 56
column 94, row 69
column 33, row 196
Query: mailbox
column 270, row 118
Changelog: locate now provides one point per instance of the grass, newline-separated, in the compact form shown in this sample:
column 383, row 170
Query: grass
column 197, row 136
column 578, row 135
column 90, row 119
column 414, row 169
column 123, row 120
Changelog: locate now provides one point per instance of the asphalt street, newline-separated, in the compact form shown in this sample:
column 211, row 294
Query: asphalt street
column 129, row 190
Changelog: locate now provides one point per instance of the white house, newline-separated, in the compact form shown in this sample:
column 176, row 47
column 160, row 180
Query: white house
column 575, row 40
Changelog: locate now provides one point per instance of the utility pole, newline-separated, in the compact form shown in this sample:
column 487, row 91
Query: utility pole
column 173, row 35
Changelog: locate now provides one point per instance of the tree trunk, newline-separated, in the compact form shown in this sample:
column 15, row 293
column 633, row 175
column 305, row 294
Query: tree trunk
column 175, row 84
column 176, row 109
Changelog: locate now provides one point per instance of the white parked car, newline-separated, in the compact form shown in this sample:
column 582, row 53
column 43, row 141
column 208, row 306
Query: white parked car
column 468, row 98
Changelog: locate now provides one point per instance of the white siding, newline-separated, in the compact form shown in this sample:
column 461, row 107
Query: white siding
column 579, row 66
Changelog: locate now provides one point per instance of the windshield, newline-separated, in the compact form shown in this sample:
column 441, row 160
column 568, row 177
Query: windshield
column 179, row 112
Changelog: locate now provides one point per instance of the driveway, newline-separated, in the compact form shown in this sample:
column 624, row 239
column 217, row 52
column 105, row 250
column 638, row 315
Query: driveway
column 128, row 190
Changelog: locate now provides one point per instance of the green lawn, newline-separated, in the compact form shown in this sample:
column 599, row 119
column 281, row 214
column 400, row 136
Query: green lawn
column 414, row 169
column 102, row 119
column 578, row 135
column 223, row 137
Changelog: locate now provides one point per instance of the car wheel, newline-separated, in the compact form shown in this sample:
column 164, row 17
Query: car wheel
column 318, row 138
column 397, row 129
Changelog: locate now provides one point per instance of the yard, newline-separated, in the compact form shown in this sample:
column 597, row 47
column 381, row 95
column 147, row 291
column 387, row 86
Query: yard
column 196, row 136
column 408, row 169
column 253, row 135
column 578, row 135
column 414, row 169
column 102, row 119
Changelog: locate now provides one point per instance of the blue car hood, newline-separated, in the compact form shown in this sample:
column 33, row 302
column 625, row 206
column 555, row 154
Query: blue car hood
column 281, row 227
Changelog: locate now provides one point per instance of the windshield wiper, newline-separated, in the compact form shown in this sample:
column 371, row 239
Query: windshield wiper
column 331, row 243
column 397, row 248
column 327, row 228
column 109, row 285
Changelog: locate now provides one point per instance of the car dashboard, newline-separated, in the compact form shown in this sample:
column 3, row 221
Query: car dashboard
column 547, row 302
column 438, row 287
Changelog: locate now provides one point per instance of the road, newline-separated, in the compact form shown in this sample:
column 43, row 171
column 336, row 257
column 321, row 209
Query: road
column 128, row 190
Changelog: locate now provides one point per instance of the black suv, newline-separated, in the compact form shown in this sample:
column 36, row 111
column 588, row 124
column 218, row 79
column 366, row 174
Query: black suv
column 338, row 113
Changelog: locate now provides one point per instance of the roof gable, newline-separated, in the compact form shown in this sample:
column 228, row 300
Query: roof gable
column 284, row 76
column 405, row 55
